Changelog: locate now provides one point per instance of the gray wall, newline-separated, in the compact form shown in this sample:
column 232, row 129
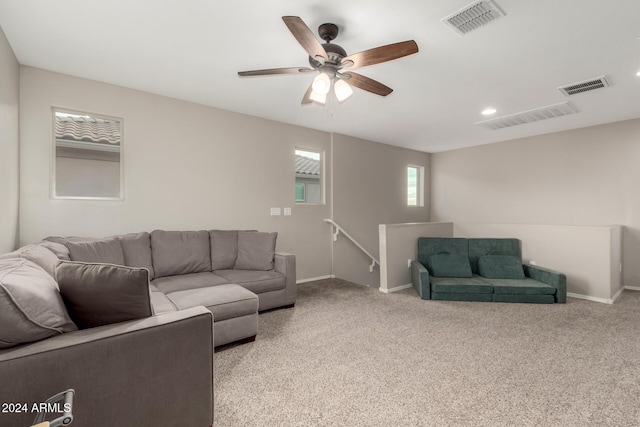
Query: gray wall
column 370, row 188
column 586, row 177
column 9, row 143
column 188, row 166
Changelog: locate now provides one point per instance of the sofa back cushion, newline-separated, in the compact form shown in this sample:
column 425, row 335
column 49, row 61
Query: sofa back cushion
column 39, row 255
column 491, row 246
column 224, row 249
column 58, row 249
column 106, row 250
column 99, row 294
column 500, row 267
column 180, row 252
column 136, row 248
column 256, row 250
column 449, row 265
column 31, row 308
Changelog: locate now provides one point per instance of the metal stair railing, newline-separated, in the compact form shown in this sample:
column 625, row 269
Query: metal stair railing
column 339, row 230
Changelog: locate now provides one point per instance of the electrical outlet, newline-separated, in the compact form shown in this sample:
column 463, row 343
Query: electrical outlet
column 409, row 263
column 287, row 211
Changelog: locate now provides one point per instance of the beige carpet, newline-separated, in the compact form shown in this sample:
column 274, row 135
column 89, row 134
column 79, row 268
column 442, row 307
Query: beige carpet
column 348, row 355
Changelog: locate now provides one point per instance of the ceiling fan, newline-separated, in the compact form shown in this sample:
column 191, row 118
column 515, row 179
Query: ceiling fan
column 334, row 65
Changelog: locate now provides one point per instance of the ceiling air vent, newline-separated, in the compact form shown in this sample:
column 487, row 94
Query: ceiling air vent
column 473, row 16
column 591, row 84
column 534, row 115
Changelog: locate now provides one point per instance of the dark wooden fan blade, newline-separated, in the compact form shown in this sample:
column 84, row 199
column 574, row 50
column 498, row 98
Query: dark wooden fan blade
column 272, row 71
column 381, row 54
column 366, row 83
column 305, row 37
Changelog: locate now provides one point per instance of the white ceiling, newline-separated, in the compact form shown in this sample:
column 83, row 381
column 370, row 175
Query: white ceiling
column 192, row 50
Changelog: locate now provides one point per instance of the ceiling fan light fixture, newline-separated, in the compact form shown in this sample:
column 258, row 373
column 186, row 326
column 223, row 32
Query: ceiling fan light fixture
column 318, row 97
column 342, row 90
column 322, row 84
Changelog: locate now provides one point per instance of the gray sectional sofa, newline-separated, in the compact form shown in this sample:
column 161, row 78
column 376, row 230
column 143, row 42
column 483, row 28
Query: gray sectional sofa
column 130, row 322
column 482, row 269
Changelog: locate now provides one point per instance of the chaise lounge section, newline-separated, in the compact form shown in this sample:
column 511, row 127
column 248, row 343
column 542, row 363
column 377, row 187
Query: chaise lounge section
column 482, row 269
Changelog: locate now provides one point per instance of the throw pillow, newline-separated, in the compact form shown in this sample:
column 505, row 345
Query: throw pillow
column 500, row 267
column 100, row 294
column 104, row 251
column 450, row 265
column 256, row 250
column 31, row 308
column 41, row 256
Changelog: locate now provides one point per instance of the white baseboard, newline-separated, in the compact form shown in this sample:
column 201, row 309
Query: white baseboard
column 590, row 298
column 396, row 289
column 312, row 279
column 633, row 288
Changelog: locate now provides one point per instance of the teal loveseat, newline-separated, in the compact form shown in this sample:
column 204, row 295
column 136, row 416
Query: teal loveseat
column 482, row 269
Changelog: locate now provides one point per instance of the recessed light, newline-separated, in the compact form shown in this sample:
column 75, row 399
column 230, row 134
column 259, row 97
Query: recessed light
column 488, row 111
column 638, row 74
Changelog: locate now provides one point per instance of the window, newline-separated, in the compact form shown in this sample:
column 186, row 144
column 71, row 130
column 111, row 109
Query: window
column 415, row 183
column 87, row 156
column 308, row 177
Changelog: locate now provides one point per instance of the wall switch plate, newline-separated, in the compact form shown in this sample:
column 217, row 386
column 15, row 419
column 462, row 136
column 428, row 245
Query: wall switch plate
column 275, row 211
column 409, row 263
column 287, row 211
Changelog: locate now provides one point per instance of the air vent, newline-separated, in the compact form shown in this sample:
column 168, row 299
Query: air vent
column 535, row 115
column 473, row 16
column 591, row 84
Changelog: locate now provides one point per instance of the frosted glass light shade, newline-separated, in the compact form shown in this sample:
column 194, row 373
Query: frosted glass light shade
column 342, row 90
column 318, row 97
column 321, row 84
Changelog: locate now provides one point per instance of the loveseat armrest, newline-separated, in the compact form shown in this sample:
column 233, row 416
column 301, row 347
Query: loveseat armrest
column 550, row 277
column 420, row 279
column 152, row 371
column 285, row 263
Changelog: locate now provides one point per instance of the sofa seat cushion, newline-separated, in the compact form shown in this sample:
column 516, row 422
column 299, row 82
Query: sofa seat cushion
column 454, row 285
column 31, row 308
column 255, row 281
column 521, row 287
column 224, row 301
column 160, row 303
column 187, row 281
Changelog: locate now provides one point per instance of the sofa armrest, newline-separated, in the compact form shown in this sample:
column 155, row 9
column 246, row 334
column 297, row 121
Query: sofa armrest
column 550, row 277
column 152, row 371
column 420, row 279
column 285, row 263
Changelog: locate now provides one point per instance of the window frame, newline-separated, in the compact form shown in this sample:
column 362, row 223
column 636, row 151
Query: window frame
column 53, row 174
column 321, row 155
column 419, row 186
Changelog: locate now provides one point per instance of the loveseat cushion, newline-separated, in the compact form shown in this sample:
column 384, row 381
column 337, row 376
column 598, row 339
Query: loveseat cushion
column 449, row 265
column 107, row 251
column 256, row 250
column 99, row 294
column 255, row 281
column 31, row 308
column 224, row 248
column 500, row 267
column 524, row 286
column 182, row 282
column 136, row 248
column 454, row 285
column 180, row 252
